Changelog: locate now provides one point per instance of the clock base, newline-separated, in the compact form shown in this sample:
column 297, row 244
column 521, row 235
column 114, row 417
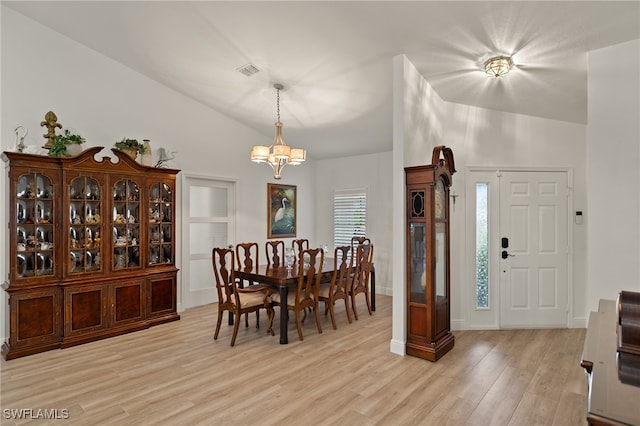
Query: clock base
column 433, row 351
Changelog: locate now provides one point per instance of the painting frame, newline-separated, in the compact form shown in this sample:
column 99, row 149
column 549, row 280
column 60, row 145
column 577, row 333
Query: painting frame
column 281, row 210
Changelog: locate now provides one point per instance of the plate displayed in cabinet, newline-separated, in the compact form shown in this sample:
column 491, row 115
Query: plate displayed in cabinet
column 21, row 215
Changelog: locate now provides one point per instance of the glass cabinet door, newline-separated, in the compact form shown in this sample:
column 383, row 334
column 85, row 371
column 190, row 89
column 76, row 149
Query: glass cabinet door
column 126, row 224
column 441, row 261
column 418, row 259
column 85, row 225
column 35, row 230
column 161, row 224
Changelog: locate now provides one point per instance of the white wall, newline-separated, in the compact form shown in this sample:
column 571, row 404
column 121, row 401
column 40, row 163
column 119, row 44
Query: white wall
column 106, row 101
column 478, row 137
column 417, row 128
column 613, row 159
column 373, row 173
column 487, row 138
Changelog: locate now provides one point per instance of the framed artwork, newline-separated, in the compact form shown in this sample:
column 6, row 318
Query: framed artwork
column 281, row 210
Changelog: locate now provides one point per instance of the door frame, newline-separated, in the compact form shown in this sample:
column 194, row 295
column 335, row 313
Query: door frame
column 183, row 241
column 481, row 318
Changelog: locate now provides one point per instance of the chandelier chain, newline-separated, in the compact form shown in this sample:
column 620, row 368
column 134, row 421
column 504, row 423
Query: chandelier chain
column 278, row 102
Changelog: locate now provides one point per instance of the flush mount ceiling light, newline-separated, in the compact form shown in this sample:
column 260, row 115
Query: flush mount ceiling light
column 498, row 66
column 278, row 155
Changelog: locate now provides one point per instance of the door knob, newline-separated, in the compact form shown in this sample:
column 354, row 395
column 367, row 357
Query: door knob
column 505, row 254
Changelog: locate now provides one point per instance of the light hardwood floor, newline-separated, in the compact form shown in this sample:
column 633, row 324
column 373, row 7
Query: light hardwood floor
column 176, row 374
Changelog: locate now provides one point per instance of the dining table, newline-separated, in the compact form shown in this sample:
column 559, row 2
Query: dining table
column 282, row 279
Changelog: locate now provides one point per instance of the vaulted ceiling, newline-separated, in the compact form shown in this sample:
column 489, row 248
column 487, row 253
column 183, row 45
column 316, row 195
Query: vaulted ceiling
column 335, row 58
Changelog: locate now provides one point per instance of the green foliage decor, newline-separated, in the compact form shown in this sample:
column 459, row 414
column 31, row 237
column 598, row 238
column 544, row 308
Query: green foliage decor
column 126, row 144
column 59, row 147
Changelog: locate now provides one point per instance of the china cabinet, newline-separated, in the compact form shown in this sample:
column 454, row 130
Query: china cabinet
column 91, row 249
column 428, row 275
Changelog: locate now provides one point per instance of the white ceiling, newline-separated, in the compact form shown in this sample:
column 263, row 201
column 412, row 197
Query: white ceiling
column 335, row 58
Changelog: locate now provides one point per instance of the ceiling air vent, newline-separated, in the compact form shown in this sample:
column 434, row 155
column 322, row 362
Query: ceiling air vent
column 248, row 69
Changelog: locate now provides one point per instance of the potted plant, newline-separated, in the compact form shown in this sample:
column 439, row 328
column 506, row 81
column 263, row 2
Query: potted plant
column 66, row 145
column 131, row 146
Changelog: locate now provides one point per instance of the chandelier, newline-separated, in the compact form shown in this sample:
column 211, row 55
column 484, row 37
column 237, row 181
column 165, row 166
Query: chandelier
column 278, row 155
column 498, row 66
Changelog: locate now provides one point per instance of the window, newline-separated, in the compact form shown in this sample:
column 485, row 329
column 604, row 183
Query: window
column 482, row 246
column 349, row 215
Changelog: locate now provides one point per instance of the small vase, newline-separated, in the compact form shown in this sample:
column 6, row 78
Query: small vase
column 74, row 149
column 146, row 158
column 133, row 153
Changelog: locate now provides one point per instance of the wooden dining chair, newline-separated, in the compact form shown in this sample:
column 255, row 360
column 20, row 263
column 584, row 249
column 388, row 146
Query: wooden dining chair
column 355, row 242
column 361, row 275
column 275, row 252
column 236, row 300
column 306, row 294
column 299, row 245
column 338, row 288
column 247, row 255
column 247, row 258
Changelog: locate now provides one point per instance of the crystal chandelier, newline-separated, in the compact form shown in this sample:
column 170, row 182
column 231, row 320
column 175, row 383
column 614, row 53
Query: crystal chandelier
column 498, row 66
column 278, row 155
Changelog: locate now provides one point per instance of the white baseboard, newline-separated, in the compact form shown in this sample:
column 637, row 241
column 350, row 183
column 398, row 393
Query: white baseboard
column 580, row 323
column 397, row 347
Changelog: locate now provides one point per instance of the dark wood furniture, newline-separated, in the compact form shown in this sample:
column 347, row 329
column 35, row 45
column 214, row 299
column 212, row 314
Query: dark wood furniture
column 363, row 261
column 274, row 250
column 338, row 287
column 246, row 255
column 299, row 245
column 610, row 401
column 428, row 277
column 306, row 291
column 91, row 249
column 281, row 280
column 234, row 299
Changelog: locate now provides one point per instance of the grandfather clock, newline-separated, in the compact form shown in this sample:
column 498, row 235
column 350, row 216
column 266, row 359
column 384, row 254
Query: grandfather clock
column 428, row 286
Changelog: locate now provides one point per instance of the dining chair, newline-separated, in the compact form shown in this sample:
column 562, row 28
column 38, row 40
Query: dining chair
column 247, row 255
column 361, row 275
column 247, row 258
column 306, row 294
column 299, row 245
column 275, row 252
column 236, row 300
column 355, row 242
column 338, row 288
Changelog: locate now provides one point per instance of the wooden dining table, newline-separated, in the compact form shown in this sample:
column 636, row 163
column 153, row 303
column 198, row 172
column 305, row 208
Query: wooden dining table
column 282, row 280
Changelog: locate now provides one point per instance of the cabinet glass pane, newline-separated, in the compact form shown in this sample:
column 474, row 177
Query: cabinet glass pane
column 160, row 224
column 418, row 261
column 441, row 260
column 85, row 225
column 35, row 226
column 126, row 224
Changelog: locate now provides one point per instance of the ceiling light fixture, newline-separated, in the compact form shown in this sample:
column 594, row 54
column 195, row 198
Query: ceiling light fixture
column 498, row 66
column 278, row 155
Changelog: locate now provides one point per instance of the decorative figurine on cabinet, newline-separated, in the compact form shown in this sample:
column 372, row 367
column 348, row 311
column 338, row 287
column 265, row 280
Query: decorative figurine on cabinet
column 428, row 274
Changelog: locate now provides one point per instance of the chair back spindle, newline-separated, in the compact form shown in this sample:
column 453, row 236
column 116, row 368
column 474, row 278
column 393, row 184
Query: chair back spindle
column 275, row 253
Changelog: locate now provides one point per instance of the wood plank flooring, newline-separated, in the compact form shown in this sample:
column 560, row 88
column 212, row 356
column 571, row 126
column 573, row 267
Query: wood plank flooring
column 176, row 374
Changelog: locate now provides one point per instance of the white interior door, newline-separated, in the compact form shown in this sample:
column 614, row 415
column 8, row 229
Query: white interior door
column 208, row 222
column 533, row 249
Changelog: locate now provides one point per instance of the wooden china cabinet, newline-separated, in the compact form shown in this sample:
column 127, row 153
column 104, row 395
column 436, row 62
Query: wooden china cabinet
column 91, row 249
column 428, row 273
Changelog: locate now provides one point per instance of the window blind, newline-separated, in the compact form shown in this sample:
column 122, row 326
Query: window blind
column 349, row 215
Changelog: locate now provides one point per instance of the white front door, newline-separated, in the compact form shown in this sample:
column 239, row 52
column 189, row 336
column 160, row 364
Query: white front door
column 208, row 222
column 533, row 249
column 522, row 215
